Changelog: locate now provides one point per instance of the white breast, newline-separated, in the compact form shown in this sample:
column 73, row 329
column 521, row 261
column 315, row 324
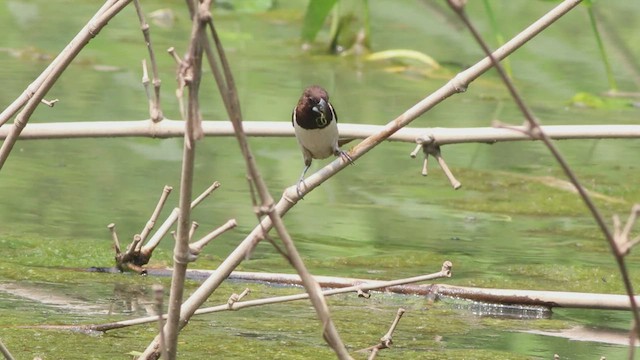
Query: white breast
column 321, row 143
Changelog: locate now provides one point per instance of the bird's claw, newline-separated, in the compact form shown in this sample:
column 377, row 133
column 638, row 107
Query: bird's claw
column 345, row 157
column 298, row 191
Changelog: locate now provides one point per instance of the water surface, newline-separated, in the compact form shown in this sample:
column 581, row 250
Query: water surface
column 507, row 227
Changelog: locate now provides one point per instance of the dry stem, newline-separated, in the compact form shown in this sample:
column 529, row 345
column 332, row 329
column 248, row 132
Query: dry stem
column 385, row 341
column 363, row 286
column 28, row 93
column 197, row 246
column 156, row 212
column 5, row 352
column 155, row 111
column 190, row 74
column 623, row 236
column 440, row 136
column 290, row 197
column 536, row 132
column 228, row 92
column 68, row 54
column 171, row 219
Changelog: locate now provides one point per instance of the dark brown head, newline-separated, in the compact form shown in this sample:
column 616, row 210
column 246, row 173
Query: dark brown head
column 314, row 111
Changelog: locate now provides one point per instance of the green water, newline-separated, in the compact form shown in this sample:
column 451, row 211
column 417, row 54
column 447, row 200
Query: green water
column 506, row 228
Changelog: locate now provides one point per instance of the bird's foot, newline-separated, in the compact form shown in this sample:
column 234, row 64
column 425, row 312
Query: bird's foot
column 298, row 191
column 345, row 157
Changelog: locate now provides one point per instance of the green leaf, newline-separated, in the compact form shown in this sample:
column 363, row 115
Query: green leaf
column 404, row 54
column 317, row 12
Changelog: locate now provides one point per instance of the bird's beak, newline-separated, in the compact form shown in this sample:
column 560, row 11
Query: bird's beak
column 320, row 107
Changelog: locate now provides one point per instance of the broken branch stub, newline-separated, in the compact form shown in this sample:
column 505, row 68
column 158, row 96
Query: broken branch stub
column 138, row 254
column 431, row 148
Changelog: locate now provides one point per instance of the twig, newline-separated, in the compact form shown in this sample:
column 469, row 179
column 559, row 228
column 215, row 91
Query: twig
column 197, row 246
column 432, row 149
column 114, row 236
column 172, row 218
column 365, row 286
column 229, row 94
column 28, row 93
column 290, row 197
column 622, row 236
column 550, row 299
column 156, row 212
column 5, row 352
column 155, row 111
column 194, row 226
column 49, row 103
column 387, row 340
column 234, row 298
column 68, row 54
column 537, row 132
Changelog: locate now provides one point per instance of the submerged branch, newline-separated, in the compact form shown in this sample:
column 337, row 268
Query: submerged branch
column 237, row 305
column 550, row 299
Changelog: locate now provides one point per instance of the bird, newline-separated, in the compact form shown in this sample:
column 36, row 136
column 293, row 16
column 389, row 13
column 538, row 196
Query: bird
column 315, row 124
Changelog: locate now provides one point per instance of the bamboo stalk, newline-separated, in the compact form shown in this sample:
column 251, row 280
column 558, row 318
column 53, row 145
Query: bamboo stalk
column 172, row 218
column 28, row 93
column 534, row 130
column 290, row 197
column 228, row 91
column 445, row 271
column 190, row 73
column 155, row 111
column 441, row 136
column 565, row 299
column 68, row 54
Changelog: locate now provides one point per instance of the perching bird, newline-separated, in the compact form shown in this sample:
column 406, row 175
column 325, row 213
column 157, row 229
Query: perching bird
column 316, row 126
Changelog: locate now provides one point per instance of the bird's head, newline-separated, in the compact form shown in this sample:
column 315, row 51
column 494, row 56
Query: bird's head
column 314, row 110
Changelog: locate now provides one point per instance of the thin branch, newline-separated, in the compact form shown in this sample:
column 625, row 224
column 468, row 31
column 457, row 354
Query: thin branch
column 5, row 352
column 622, row 236
column 197, row 246
column 234, row 298
column 537, row 132
column 156, row 212
column 68, row 54
column 172, row 218
column 29, row 92
column 387, row 339
column 114, row 236
column 49, row 103
column 155, row 111
column 432, row 149
column 363, row 286
column 290, row 197
column 230, row 97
